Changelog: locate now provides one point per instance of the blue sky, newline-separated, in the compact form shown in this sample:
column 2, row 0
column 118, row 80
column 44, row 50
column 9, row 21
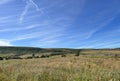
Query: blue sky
column 60, row 23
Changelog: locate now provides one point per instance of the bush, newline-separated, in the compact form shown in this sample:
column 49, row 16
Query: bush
column 63, row 55
column 36, row 57
column 1, row 58
column 56, row 53
column 116, row 56
column 29, row 57
column 13, row 57
column 44, row 56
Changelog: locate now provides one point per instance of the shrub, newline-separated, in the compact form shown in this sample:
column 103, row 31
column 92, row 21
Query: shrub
column 116, row 56
column 29, row 57
column 1, row 58
column 63, row 55
column 13, row 57
column 36, row 57
column 44, row 56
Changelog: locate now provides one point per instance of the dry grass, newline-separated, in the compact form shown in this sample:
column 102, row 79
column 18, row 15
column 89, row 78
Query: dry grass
column 61, row 69
column 101, row 52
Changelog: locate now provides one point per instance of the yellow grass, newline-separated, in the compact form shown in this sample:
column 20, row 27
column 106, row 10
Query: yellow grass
column 61, row 69
column 101, row 52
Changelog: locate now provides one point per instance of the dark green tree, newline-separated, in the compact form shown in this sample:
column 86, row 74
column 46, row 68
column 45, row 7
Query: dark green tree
column 78, row 52
column 33, row 55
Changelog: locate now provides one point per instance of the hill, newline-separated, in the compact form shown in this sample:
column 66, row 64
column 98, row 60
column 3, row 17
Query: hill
column 18, row 51
column 31, row 50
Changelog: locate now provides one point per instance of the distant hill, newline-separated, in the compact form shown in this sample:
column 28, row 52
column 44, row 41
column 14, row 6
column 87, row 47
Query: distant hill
column 31, row 50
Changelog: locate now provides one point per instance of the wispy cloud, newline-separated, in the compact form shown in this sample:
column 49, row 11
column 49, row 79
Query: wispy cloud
column 50, row 39
column 99, row 27
column 43, row 37
column 80, row 36
column 105, row 39
column 28, row 36
column 20, row 28
column 103, row 44
column 5, row 1
column 45, row 34
column 67, row 23
column 6, row 19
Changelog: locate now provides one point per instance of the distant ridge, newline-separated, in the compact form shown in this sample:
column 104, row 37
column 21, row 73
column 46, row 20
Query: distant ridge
column 26, row 50
column 30, row 50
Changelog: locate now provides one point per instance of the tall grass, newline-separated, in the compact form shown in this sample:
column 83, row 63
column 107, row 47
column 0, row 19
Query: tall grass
column 61, row 69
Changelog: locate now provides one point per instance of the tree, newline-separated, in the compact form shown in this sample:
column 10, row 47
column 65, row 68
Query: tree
column 33, row 55
column 78, row 53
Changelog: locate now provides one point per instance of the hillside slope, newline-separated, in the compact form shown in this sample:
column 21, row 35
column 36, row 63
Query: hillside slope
column 31, row 50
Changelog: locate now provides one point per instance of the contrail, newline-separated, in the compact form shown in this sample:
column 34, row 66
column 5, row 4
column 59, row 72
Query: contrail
column 24, row 12
column 28, row 4
column 34, row 4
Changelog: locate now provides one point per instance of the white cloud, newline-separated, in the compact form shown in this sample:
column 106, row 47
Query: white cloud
column 5, row 1
column 5, row 43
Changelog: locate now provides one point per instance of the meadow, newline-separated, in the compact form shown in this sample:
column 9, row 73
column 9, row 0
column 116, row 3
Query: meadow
column 57, row 68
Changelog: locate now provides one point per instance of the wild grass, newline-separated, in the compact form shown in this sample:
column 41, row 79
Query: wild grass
column 61, row 69
column 100, row 52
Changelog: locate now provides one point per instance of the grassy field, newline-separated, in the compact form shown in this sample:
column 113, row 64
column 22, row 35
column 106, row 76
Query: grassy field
column 70, row 68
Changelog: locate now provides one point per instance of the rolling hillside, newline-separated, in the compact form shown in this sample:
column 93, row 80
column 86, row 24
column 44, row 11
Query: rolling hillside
column 30, row 50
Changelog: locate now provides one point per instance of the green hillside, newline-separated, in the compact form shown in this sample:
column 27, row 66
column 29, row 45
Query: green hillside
column 30, row 50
